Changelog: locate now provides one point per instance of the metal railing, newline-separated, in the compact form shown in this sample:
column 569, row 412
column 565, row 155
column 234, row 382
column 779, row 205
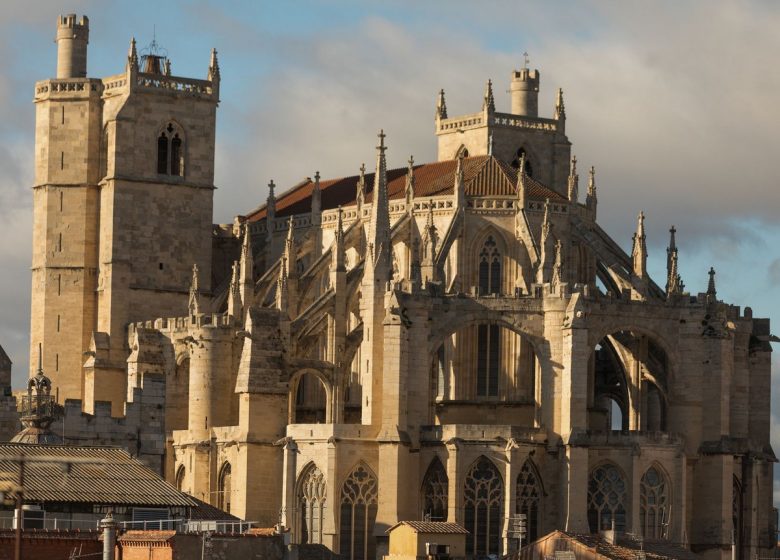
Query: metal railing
column 52, row 524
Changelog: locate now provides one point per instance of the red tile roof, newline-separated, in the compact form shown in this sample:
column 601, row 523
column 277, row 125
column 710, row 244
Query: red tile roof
column 432, row 527
column 483, row 176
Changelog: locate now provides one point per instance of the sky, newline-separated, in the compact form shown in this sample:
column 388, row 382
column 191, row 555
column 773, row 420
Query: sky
column 675, row 103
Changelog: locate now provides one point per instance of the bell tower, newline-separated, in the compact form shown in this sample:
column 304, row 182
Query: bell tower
column 68, row 121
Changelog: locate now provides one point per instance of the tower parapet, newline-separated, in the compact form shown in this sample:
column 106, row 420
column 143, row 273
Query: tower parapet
column 72, row 39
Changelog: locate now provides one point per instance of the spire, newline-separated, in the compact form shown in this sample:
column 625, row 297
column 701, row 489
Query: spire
column 591, row 199
column 546, row 246
column 460, row 185
column 574, row 181
column 441, row 106
column 409, row 189
column 379, row 227
column 360, row 196
column 521, row 183
column 489, row 103
column 674, row 283
column 711, row 284
column 246, row 273
column 639, row 251
column 557, row 272
column 429, row 237
column 338, row 252
column 560, row 109
column 132, row 56
column 290, row 250
column 194, row 304
column 270, row 202
column 316, row 199
column 39, row 371
column 213, row 75
column 234, row 295
column 282, row 294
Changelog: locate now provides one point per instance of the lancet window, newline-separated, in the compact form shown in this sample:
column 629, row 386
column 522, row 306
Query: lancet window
column 488, row 358
column 170, row 151
column 484, row 507
column 654, row 504
column 311, row 505
column 606, row 499
column 489, row 268
column 358, row 515
column 224, row 488
column 434, row 493
column 528, row 495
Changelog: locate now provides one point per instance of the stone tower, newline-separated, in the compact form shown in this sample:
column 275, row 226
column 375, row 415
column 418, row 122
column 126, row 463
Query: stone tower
column 65, row 210
column 123, row 207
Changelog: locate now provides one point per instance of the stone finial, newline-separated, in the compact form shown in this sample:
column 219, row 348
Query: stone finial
column 441, row 106
column 213, row 75
column 360, row 195
column 489, row 102
column 194, row 303
column 546, row 247
column 290, row 249
column 167, row 67
column 711, row 284
column 460, row 184
column 234, row 294
column 520, row 188
column 338, row 251
column 639, row 250
column 490, row 143
column 132, row 56
column 409, row 188
column 674, row 284
column 560, row 109
column 557, row 272
column 591, row 199
column 247, row 270
column 282, row 294
column 316, row 199
column 270, row 205
column 379, row 226
column 574, row 181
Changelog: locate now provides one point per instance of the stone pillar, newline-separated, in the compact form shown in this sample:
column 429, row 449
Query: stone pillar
column 511, row 470
column 454, row 493
column 289, row 469
column 574, row 490
column 330, row 537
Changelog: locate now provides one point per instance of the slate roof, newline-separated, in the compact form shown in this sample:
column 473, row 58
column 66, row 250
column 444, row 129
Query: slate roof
column 98, row 475
column 432, row 527
column 482, row 175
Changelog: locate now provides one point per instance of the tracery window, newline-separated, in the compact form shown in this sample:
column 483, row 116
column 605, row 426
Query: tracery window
column 606, row 499
column 527, row 497
column 484, row 508
column 434, row 492
column 654, row 504
column 170, row 153
column 488, row 358
column 311, row 505
column 224, row 488
column 358, row 515
column 489, row 268
column 180, row 478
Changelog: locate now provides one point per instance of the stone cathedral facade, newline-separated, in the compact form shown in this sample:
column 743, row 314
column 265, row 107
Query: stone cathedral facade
column 457, row 340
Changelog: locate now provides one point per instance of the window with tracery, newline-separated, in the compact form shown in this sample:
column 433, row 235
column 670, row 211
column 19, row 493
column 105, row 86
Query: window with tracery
column 488, row 358
column 527, row 498
column 224, row 488
column 180, row 479
column 170, row 153
column 311, row 505
column 489, row 268
column 606, row 499
column 654, row 504
column 434, row 492
column 484, row 508
column 358, row 515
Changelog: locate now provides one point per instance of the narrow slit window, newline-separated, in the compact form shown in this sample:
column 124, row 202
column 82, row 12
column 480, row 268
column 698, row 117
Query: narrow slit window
column 162, row 154
column 176, row 155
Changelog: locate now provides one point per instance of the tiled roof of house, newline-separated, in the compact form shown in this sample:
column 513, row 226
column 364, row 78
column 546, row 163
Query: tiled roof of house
column 626, row 548
column 433, row 527
column 482, row 175
column 98, row 475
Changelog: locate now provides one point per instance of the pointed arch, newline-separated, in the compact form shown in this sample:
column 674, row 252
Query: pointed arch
column 434, row 492
column 224, row 487
column 311, row 495
column 170, row 149
column 484, row 508
column 654, row 503
column 461, row 151
column 607, row 498
column 179, row 478
column 528, row 498
column 359, row 499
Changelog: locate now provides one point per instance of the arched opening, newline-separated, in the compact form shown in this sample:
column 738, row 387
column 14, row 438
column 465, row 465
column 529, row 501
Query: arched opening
column 358, row 515
column 224, row 488
column 435, row 488
column 462, row 151
column 484, row 508
column 528, row 499
column 179, row 481
column 607, row 497
column 654, row 504
column 309, row 404
column 519, row 154
column 628, row 376
column 485, row 362
column 312, row 493
column 162, row 154
column 176, row 155
column 170, row 151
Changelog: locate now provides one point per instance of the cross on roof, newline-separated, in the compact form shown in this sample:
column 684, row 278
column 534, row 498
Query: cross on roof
column 526, row 60
column 381, row 140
